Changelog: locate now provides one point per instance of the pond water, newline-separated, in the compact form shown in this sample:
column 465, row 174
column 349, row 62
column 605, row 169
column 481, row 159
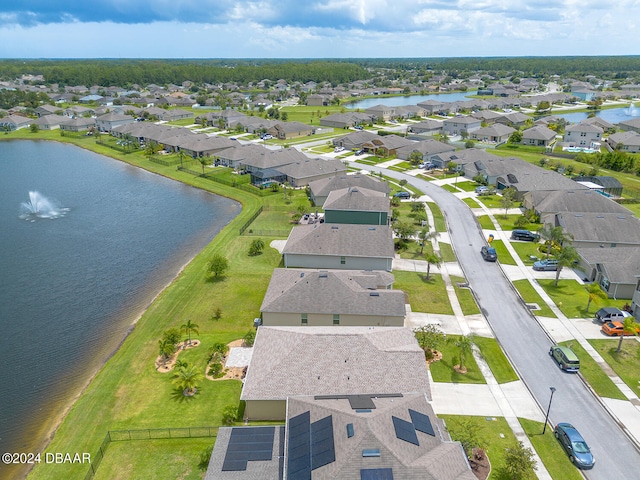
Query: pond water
column 86, row 242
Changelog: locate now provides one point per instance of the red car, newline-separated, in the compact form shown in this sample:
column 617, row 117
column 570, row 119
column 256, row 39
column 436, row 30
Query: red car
column 615, row 329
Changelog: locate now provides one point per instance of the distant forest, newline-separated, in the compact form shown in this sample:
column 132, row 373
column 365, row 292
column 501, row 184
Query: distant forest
column 113, row 72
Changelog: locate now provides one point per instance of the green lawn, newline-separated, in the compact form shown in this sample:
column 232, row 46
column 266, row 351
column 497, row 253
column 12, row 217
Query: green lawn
column 526, row 250
column 443, row 371
column 438, row 217
column 550, row 452
column 494, row 433
column 572, row 298
column 485, row 222
column 465, row 297
column 471, row 202
column 428, row 296
column 271, row 221
column 528, row 293
column 490, row 201
column 467, row 186
column 309, row 115
column 139, row 459
column 503, row 254
column 593, row 373
column 624, row 363
column 450, row 188
column 496, row 359
column 446, row 252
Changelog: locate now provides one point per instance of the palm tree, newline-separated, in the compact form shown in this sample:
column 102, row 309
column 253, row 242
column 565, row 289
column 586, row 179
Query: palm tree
column 595, row 293
column 166, row 348
column 554, row 235
column 432, row 258
column 425, row 235
column 189, row 327
column 187, row 379
column 629, row 327
column 465, row 344
column 566, row 258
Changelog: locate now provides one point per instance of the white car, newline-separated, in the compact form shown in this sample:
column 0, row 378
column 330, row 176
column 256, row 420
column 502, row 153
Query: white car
column 338, row 149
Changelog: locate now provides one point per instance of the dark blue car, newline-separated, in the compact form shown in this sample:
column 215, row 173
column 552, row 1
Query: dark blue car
column 575, row 446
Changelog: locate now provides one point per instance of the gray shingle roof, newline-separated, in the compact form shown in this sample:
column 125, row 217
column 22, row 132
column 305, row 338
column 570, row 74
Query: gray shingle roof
column 603, row 228
column 357, row 199
column 539, row 132
column 433, row 459
column 290, row 361
column 345, row 292
column 582, row 200
column 313, row 167
column 622, row 265
column 324, row 186
column 343, row 239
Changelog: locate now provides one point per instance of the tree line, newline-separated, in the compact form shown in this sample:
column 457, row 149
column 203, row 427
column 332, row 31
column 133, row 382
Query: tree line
column 104, row 72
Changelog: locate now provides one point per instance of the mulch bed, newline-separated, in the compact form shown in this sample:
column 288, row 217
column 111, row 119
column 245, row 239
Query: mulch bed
column 480, row 465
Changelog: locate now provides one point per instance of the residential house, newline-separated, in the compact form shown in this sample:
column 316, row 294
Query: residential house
column 381, row 113
column 236, row 156
column 108, row 121
column 599, row 122
column 350, row 437
column 632, row 125
column 345, row 120
column 409, row 111
column 598, row 230
column 486, row 116
column 176, row 114
column 78, row 111
column 201, row 145
column 316, row 100
column 320, row 189
column 49, row 122
column 496, row 133
column 223, row 118
column 294, row 361
column 429, row 150
column 457, row 125
column 539, row 136
column 79, row 124
column 347, row 247
column 427, row 127
column 635, row 300
column 357, row 205
column 44, row 110
column 322, row 298
column 616, row 270
column 581, row 199
column 14, row 122
column 287, row 130
column 514, row 119
column 434, row 107
column 301, row 172
column 354, row 140
column 386, row 145
column 583, row 135
column 628, row 141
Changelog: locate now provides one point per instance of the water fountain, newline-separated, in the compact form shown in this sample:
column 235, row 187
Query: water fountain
column 40, row 206
column 632, row 111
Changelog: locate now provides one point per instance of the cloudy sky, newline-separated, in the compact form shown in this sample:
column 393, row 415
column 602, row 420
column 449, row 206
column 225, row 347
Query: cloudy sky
column 316, row 28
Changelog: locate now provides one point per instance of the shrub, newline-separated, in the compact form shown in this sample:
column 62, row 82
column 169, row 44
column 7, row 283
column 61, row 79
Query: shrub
column 249, row 338
column 215, row 370
column 229, row 414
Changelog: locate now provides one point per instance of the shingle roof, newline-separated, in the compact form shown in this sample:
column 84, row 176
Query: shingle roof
column 434, row 458
column 312, row 167
column 603, row 228
column 345, row 292
column 357, row 199
column 582, row 200
column 622, row 265
column 539, row 132
column 291, row 361
column 427, row 147
column 344, row 240
column 322, row 187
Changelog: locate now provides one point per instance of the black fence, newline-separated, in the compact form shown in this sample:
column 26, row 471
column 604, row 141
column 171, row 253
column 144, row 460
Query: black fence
column 145, row 434
column 262, row 192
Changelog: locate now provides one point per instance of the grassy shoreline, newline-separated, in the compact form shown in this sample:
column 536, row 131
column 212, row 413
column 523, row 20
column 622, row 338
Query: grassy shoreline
column 97, row 408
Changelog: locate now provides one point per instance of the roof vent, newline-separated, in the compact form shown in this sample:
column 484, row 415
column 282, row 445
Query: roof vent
column 334, row 227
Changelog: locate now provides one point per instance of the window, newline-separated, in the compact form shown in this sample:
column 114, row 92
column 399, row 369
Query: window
column 343, row 260
column 336, row 319
column 303, row 319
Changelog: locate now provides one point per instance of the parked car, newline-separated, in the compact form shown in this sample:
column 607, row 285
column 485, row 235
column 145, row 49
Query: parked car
column 610, row 314
column 358, row 127
column 403, row 195
column 482, row 189
column 338, row 149
column 525, row 235
column 266, row 136
column 575, row 446
column 566, row 358
column 427, row 165
column 359, row 152
column 549, row 265
column 489, row 254
column 615, row 329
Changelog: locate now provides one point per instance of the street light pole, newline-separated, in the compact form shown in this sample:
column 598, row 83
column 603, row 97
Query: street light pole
column 546, row 420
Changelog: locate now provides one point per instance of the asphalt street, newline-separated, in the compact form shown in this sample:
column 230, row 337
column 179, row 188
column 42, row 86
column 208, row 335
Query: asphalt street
column 527, row 345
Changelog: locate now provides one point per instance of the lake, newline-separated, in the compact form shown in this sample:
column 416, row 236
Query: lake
column 409, row 100
column 73, row 284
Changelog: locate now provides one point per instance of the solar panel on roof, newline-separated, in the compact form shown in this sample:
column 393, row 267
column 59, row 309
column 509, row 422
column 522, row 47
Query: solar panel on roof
column 405, row 430
column 248, row 444
column 422, row 422
column 376, row 474
column 322, row 445
column 299, row 447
